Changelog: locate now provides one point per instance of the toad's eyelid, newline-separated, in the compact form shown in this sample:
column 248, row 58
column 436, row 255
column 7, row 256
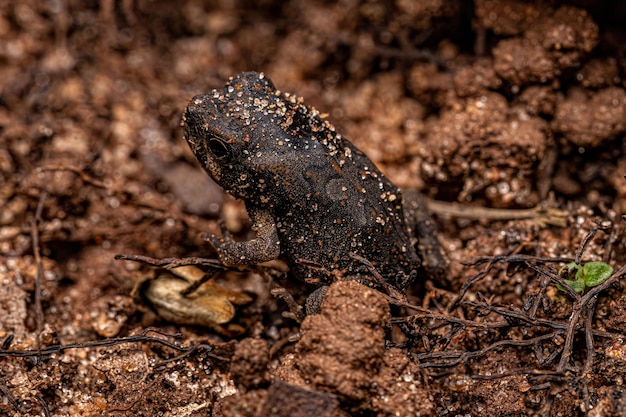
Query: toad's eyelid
column 212, row 132
column 220, row 148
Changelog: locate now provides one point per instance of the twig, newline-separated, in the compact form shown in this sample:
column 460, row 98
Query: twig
column 577, row 310
column 491, row 261
column 44, row 405
column 86, row 178
column 188, row 352
column 543, row 286
column 557, row 280
column 584, row 244
column 518, row 315
column 462, row 357
column 540, row 215
column 590, row 351
column 170, row 263
column 516, row 258
column 38, row 280
column 589, row 337
column 140, row 338
column 430, row 315
column 392, row 291
column 4, row 389
column 523, row 371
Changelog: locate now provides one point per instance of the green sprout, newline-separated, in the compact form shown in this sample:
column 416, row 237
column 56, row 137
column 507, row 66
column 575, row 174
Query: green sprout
column 589, row 275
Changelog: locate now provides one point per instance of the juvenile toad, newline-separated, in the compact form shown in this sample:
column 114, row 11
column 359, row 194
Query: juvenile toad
column 314, row 199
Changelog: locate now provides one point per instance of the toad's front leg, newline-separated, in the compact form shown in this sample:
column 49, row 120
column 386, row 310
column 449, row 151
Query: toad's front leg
column 265, row 247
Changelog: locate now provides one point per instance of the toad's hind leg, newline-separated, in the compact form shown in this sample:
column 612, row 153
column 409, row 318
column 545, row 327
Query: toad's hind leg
column 422, row 227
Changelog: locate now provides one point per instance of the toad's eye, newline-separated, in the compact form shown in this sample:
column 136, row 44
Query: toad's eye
column 219, row 148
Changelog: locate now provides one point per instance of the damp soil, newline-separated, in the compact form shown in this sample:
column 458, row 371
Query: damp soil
column 505, row 105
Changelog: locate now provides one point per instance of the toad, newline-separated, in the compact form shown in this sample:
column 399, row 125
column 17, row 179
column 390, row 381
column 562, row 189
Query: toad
column 314, row 199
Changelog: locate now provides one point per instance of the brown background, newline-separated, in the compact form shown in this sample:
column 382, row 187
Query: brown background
column 503, row 104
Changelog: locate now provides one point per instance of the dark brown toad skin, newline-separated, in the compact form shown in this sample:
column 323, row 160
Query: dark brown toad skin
column 311, row 194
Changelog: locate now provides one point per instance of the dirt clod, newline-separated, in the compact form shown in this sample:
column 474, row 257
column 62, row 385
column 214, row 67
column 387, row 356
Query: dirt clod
column 249, row 364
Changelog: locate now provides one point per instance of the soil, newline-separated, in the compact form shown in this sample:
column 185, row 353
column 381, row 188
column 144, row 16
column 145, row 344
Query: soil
column 499, row 104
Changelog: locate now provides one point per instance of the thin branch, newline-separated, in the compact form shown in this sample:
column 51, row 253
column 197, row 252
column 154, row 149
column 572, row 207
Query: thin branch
column 513, row 372
column 589, row 337
column 140, row 338
column 78, row 171
column 523, row 317
column 583, row 245
column 39, row 318
column 170, row 263
column 557, row 280
column 44, row 405
column 461, row 357
column 540, row 215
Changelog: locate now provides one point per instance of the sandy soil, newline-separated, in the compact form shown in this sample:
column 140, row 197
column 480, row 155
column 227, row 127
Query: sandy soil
column 498, row 104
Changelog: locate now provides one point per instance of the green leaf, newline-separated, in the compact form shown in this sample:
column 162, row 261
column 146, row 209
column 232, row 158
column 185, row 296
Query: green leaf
column 595, row 273
column 577, row 286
